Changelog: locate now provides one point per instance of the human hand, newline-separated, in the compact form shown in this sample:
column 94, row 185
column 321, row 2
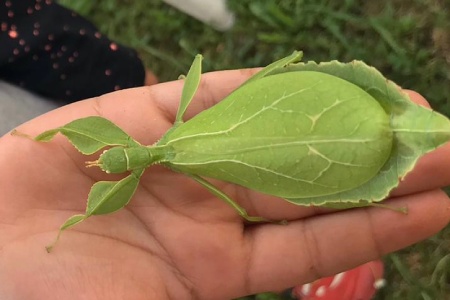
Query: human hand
column 175, row 240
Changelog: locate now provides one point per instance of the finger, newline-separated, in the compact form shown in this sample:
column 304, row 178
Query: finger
column 417, row 98
column 324, row 245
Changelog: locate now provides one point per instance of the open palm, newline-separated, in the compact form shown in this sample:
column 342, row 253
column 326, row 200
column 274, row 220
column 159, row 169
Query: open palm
column 175, row 240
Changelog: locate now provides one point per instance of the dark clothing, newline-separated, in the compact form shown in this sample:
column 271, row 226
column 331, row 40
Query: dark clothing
column 50, row 50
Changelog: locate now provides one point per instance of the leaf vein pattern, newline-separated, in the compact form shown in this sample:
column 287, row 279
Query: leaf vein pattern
column 258, row 168
column 332, row 161
column 298, row 143
column 236, row 161
column 234, row 126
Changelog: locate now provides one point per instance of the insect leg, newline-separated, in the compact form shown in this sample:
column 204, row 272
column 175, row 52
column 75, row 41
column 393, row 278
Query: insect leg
column 90, row 134
column 403, row 210
column 241, row 211
column 293, row 58
column 190, row 87
column 105, row 197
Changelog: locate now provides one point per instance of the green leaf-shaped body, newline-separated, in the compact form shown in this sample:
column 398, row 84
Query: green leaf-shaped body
column 416, row 130
column 298, row 134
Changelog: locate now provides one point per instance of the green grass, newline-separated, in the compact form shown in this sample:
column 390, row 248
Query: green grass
column 407, row 40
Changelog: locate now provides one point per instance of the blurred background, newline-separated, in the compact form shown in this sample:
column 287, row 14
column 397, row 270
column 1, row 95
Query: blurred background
column 407, row 40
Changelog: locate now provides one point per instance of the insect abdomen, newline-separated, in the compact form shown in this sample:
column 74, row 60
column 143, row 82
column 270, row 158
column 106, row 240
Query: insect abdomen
column 299, row 134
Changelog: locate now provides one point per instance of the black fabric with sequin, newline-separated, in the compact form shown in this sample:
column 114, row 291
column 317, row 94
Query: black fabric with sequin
column 52, row 51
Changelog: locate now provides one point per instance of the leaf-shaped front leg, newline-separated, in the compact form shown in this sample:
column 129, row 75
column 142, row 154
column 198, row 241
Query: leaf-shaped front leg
column 90, row 134
column 105, row 197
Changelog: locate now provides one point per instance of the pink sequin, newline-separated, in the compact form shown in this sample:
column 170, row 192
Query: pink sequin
column 13, row 34
column 113, row 46
column 107, row 72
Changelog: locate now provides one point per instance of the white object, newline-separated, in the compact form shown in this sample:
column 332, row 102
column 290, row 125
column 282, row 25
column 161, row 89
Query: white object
column 211, row 12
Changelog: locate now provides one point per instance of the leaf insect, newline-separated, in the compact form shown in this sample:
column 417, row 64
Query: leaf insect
column 335, row 134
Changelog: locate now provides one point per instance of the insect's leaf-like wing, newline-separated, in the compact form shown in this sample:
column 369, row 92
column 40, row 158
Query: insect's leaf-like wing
column 191, row 83
column 288, row 135
column 416, row 130
column 109, row 196
column 90, row 134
